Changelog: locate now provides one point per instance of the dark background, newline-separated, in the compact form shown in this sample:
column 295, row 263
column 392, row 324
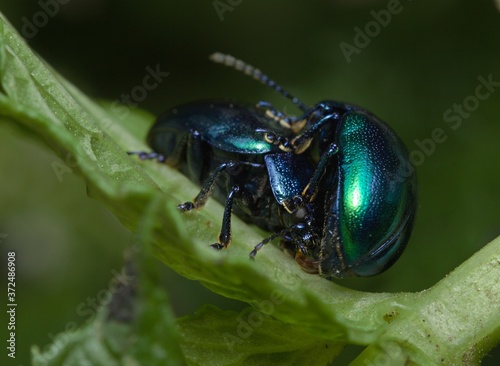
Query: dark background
column 425, row 59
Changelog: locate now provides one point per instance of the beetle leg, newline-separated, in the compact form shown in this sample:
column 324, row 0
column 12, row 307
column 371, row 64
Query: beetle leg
column 173, row 157
column 294, row 123
column 280, row 117
column 148, row 155
column 253, row 253
column 302, row 141
column 313, row 114
column 281, row 233
column 206, row 188
column 324, row 165
column 225, row 232
column 209, row 183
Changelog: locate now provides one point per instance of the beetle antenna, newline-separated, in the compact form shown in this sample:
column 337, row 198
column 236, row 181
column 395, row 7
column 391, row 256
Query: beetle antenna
column 228, row 60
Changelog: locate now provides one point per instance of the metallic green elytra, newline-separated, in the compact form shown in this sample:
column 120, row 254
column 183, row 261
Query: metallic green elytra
column 370, row 213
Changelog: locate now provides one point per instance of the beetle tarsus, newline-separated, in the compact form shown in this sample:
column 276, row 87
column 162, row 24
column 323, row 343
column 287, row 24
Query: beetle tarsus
column 186, row 206
column 143, row 155
column 253, row 253
column 217, row 246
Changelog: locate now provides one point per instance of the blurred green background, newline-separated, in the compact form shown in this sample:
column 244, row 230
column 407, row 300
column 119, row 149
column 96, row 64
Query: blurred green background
column 425, row 59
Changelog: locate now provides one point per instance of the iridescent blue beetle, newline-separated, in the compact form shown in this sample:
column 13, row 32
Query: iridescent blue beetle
column 224, row 147
column 348, row 213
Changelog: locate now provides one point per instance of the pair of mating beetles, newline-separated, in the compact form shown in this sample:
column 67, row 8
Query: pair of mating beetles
column 333, row 183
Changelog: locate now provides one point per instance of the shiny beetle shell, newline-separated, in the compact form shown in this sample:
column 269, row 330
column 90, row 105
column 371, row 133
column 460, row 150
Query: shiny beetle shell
column 371, row 207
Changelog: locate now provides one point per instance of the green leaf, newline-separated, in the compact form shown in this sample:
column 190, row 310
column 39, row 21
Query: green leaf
column 215, row 337
column 135, row 327
column 458, row 319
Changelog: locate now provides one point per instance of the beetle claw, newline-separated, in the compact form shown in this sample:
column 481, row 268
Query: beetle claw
column 217, row 246
column 253, row 253
column 186, row 206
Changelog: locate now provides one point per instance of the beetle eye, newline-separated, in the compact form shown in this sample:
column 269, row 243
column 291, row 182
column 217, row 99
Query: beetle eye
column 270, row 137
